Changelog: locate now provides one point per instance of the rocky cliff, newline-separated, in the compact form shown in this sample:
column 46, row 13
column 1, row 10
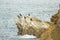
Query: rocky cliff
column 56, row 20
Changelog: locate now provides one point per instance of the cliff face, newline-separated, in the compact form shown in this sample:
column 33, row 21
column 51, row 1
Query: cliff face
column 56, row 20
column 43, row 30
column 33, row 26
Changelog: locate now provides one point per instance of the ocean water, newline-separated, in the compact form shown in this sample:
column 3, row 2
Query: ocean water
column 9, row 9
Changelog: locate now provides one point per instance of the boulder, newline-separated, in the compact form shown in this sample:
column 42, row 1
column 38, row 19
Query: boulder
column 33, row 26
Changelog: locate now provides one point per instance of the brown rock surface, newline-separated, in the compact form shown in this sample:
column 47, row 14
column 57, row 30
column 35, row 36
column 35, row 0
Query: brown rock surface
column 56, row 20
column 33, row 26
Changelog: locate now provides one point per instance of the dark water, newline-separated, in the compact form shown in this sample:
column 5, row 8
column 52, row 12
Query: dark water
column 9, row 9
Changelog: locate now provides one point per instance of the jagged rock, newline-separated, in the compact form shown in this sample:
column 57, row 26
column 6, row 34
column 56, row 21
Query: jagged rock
column 33, row 26
column 56, row 20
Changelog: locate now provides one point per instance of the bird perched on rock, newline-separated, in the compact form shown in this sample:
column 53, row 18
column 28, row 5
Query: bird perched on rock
column 19, row 15
column 28, row 14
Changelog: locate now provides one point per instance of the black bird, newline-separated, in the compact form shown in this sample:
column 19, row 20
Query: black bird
column 24, row 17
column 28, row 14
column 20, row 14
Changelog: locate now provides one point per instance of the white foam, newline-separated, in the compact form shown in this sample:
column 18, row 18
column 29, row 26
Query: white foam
column 27, row 36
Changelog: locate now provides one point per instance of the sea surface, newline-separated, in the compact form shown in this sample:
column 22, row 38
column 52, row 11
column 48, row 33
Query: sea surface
column 9, row 9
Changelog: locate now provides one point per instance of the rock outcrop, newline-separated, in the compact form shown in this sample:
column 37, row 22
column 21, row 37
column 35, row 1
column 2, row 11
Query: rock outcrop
column 56, row 20
column 33, row 26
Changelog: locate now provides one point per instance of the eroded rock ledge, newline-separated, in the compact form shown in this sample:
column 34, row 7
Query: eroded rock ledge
column 44, row 30
column 33, row 26
column 56, row 20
